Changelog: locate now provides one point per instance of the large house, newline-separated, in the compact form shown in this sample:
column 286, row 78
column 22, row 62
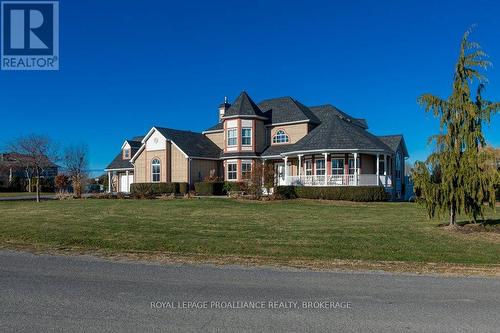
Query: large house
column 308, row 146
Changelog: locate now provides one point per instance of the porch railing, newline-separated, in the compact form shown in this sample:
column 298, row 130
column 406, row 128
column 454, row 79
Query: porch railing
column 338, row 180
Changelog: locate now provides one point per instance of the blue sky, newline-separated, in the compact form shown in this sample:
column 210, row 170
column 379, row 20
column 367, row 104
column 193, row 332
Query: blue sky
column 126, row 66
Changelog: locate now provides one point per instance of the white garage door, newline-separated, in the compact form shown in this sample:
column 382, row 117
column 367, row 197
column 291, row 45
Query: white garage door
column 124, row 185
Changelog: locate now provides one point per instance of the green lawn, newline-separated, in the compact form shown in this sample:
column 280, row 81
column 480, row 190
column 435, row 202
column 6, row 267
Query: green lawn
column 280, row 229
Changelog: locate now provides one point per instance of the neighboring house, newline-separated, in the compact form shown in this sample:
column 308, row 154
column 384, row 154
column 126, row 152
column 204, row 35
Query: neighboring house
column 14, row 173
column 309, row 146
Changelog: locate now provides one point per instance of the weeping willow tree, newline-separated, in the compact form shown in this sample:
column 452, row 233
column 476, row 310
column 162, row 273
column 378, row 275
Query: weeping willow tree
column 457, row 178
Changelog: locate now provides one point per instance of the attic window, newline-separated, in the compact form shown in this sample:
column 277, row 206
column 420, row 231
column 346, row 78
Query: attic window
column 280, row 137
column 126, row 153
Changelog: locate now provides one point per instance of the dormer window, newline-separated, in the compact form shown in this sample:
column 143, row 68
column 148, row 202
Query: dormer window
column 126, row 154
column 281, row 137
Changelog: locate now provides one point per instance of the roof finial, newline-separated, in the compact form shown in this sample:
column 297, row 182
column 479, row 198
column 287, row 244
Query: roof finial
column 225, row 99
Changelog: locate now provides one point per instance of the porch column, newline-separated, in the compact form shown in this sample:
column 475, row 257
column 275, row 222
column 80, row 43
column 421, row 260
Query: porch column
column 385, row 170
column 299, row 170
column 263, row 173
column 109, row 181
column 127, row 183
column 326, row 169
column 355, row 169
column 286, row 169
column 378, row 169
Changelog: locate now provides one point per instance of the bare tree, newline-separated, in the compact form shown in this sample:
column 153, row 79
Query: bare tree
column 35, row 153
column 75, row 160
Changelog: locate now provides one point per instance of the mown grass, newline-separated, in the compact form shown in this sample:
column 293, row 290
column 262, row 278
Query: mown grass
column 296, row 229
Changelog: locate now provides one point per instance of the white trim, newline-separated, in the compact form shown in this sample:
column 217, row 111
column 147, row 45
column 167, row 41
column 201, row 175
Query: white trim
column 289, row 123
column 213, row 131
column 132, row 160
column 322, row 151
column 205, row 158
column 123, row 145
column 176, row 146
column 228, row 158
column 120, row 169
column 244, row 117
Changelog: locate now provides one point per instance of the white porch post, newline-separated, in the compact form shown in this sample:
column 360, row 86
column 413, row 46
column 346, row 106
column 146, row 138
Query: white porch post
column 378, row 169
column 385, row 170
column 300, row 166
column 109, row 181
column 355, row 169
column 326, row 168
column 263, row 173
column 127, row 184
column 286, row 169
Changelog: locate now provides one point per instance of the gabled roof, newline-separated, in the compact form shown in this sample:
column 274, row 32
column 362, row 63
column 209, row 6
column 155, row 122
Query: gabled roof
column 337, row 131
column 243, row 106
column 191, row 143
column 119, row 163
column 286, row 110
column 341, row 114
column 393, row 141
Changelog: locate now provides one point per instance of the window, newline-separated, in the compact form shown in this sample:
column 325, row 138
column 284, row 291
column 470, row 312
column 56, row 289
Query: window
column 126, row 153
column 246, row 169
column 351, row 166
column 320, row 167
column 309, row 171
column 232, row 135
column 232, row 171
column 155, row 170
column 280, row 137
column 337, row 166
column 246, row 136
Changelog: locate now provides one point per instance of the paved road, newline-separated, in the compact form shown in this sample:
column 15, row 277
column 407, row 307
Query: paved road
column 29, row 197
column 41, row 293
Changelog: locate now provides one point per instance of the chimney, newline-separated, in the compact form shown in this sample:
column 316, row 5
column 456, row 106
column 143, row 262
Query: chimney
column 223, row 108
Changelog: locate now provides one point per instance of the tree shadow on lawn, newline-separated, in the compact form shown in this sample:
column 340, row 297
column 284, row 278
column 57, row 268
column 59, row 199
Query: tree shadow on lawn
column 486, row 225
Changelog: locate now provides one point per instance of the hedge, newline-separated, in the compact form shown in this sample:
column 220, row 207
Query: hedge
column 152, row 189
column 209, row 188
column 349, row 193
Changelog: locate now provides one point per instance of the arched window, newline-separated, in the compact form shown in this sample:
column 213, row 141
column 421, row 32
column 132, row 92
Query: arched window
column 155, row 170
column 280, row 137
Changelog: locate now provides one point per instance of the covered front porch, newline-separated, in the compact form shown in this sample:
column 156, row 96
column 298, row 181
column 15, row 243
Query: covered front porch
column 335, row 169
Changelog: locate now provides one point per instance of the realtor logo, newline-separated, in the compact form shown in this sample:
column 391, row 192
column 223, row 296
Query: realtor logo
column 30, row 35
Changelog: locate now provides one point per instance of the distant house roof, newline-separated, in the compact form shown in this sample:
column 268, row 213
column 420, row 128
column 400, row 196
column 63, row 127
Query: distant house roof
column 192, row 144
column 243, row 106
column 393, row 141
column 15, row 159
column 286, row 110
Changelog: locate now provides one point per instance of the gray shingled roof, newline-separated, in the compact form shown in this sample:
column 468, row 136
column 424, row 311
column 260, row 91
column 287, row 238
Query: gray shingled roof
column 340, row 113
column 192, row 143
column 336, row 131
column 285, row 110
column 393, row 141
column 118, row 162
column 216, row 127
column 243, row 106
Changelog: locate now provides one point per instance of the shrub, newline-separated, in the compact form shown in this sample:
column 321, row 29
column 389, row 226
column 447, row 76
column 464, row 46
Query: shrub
column 285, row 192
column 209, row 188
column 349, row 193
column 147, row 190
column 235, row 186
column 183, row 188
